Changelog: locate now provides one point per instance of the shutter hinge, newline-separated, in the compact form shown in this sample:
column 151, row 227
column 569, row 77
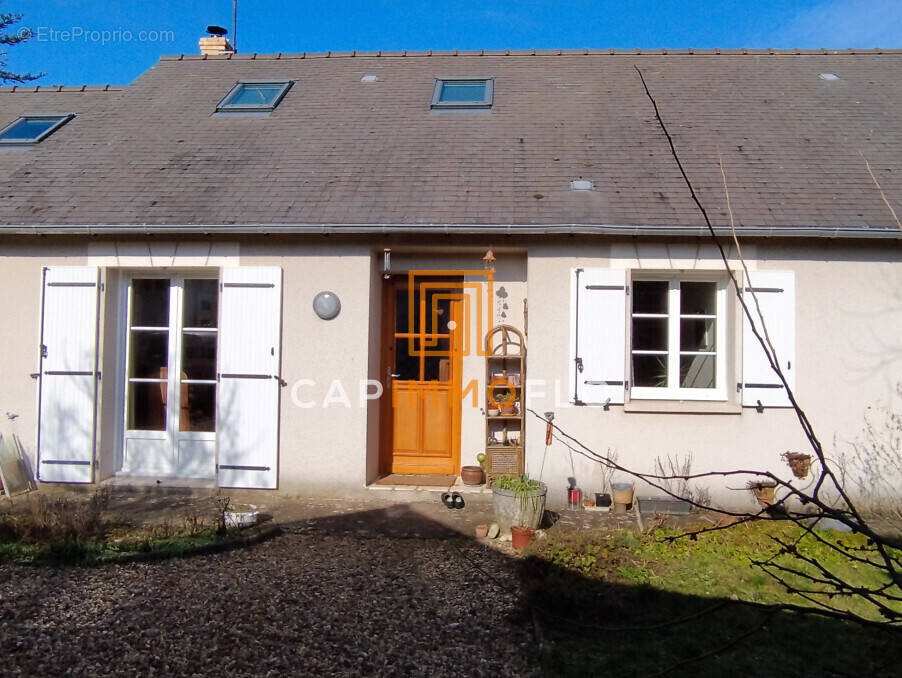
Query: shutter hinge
column 579, row 364
column 43, row 350
column 626, row 386
column 279, row 379
column 626, row 290
column 738, row 387
column 103, row 287
column 35, row 375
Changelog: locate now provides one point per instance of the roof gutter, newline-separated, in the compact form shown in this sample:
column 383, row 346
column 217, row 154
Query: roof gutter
column 451, row 229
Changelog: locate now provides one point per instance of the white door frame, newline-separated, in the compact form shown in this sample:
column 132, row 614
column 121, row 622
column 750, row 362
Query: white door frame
column 160, row 453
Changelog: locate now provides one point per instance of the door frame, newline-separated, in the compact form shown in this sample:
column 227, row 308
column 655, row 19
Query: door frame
column 390, row 285
column 174, row 437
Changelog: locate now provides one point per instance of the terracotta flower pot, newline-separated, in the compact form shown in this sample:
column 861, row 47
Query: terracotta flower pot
column 471, row 475
column 521, row 536
column 482, row 531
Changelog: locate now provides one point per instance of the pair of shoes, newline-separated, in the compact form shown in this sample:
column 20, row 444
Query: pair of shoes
column 453, row 500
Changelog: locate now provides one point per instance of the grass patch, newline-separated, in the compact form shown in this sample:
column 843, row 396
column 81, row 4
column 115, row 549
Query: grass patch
column 67, row 530
column 639, row 605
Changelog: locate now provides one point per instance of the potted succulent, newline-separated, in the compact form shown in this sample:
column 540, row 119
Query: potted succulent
column 519, row 501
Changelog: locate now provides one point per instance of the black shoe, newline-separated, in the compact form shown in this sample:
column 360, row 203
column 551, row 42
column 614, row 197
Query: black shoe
column 448, row 500
column 457, row 500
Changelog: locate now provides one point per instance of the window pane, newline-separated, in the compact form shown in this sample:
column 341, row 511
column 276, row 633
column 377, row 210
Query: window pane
column 148, row 354
column 407, row 362
column 649, row 334
column 698, row 298
column 697, row 371
column 463, row 91
column 201, row 303
column 650, row 296
column 146, row 407
column 150, row 302
column 198, row 355
column 403, row 323
column 697, row 334
column 29, row 130
column 650, row 370
column 255, row 95
column 199, row 412
column 436, row 366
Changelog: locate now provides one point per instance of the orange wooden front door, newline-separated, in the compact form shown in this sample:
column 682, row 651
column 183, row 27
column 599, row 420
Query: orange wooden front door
column 422, row 361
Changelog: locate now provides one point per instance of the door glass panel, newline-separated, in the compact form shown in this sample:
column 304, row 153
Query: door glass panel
column 198, row 355
column 199, row 413
column 148, row 353
column 437, row 362
column 147, row 406
column 200, row 303
column 407, row 360
column 150, row 302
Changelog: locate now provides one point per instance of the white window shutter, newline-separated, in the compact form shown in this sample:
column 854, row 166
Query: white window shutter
column 68, row 393
column 598, row 331
column 247, row 403
column 775, row 290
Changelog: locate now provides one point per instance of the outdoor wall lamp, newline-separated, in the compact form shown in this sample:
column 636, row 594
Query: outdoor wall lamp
column 326, row 305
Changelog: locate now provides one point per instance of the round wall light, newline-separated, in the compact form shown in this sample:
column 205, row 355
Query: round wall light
column 326, row 305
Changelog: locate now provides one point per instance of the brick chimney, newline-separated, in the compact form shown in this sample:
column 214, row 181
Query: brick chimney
column 216, row 45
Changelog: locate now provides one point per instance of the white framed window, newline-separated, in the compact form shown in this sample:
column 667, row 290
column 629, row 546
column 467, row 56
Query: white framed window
column 678, row 338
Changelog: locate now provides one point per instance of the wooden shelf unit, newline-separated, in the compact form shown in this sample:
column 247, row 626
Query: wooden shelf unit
column 505, row 375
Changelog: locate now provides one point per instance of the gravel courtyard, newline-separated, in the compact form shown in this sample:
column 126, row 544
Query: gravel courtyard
column 340, row 595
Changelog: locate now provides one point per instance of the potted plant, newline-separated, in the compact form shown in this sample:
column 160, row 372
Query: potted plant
column 764, row 491
column 799, row 462
column 519, row 501
column 505, row 401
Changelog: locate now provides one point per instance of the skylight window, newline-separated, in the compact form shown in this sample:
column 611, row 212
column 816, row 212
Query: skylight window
column 463, row 93
column 254, row 96
column 30, row 129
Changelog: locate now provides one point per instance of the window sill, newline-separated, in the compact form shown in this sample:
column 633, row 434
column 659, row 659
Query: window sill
column 683, row 406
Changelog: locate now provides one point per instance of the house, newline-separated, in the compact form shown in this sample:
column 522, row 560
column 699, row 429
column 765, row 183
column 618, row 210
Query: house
column 275, row 271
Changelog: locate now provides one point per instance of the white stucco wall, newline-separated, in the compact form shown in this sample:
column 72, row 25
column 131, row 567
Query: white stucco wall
column 849, row 351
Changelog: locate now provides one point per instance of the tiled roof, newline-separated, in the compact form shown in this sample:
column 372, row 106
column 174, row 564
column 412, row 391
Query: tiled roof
column 341, row 152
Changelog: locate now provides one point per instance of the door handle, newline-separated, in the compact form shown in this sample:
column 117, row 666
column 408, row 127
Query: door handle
column 394, row 376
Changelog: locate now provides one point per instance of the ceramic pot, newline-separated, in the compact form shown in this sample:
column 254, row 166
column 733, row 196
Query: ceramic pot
column 482, row 531
column 471, row 475
column 521, row 536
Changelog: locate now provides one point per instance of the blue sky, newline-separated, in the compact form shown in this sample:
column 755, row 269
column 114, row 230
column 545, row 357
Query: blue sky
column 102, row 41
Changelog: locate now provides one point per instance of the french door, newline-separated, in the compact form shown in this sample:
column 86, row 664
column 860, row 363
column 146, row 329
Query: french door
column 170, row 389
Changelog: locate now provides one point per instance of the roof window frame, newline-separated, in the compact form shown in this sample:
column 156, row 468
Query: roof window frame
column 225, row 107
column 485, row 104
column 61, row 119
